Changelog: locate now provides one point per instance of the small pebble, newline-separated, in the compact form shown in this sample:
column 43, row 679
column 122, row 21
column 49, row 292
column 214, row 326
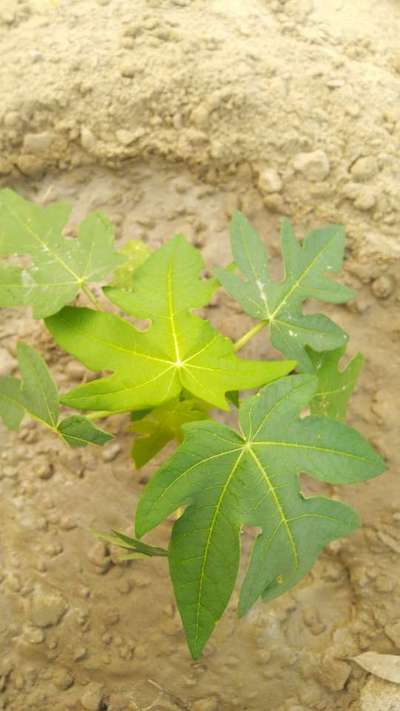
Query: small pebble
column 393, row 632
column 124, row 586
column 37, row 143
column 63, row 679
column 128, row 68
column 45, row 471
column 111, row 452
column 365, row 168
column 13, row 583
column 88, row 139
column 334, row 673
column 67, row 524
column 141, row 579
column 99, row 556
column 36, row 56
column 315, row 166
column 112, row 617
column 269, row 181
column 80, row 653
column 54, row 549
column 33, row 635
column 41, row 566
column 47, row 608
column 92, row 698
column 75, row 370
column 125, row 137
column 384, row 584
column 365, row 200
column 383, row 287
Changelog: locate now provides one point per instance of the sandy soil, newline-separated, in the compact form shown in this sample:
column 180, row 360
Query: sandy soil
column 167, row 115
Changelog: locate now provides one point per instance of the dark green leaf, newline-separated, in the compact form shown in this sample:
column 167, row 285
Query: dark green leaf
column 233, row 397
column 334, row 386
column 36, row 394
column 279, row 304
column 12, row 408
column 227, row 480
column 78, row 431
column 39, row 392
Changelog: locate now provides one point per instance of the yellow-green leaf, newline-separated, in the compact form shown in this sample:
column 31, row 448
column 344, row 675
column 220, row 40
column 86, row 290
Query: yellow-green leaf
column 163, row 424
column 177, row 351
column 135, row 252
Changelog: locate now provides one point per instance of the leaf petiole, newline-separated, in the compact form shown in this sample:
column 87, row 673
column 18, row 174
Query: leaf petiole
column 99, row 414
column 138, row 548
column 249, row 335
column 91, row 296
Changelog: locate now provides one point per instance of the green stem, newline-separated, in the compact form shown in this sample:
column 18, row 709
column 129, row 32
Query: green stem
column 249, row 335
column 91, row 296
column 99, row 415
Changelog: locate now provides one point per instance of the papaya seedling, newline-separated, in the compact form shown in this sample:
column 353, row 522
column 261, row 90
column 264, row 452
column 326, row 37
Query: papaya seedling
column 171, row 376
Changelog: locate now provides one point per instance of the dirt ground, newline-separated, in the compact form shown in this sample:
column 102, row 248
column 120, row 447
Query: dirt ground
column 168, row 115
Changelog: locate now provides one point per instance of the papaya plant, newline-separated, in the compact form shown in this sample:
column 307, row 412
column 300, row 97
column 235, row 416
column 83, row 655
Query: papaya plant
column 172, row 377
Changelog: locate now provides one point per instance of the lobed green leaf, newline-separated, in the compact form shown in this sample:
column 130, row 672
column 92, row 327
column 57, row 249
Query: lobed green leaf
column 178, row 351
column 39, row 391
column 36, row 395
column 60, row 267
column 226, row 480
column 279, row 304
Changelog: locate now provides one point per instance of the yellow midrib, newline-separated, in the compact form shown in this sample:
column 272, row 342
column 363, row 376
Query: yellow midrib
column 13, row 400
column 279, row 507
column 283, row 521
column 301, row 278
column 209, row 537
column 171, row 312
column 262, row 292
column 44, row 396
column 295, row 445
